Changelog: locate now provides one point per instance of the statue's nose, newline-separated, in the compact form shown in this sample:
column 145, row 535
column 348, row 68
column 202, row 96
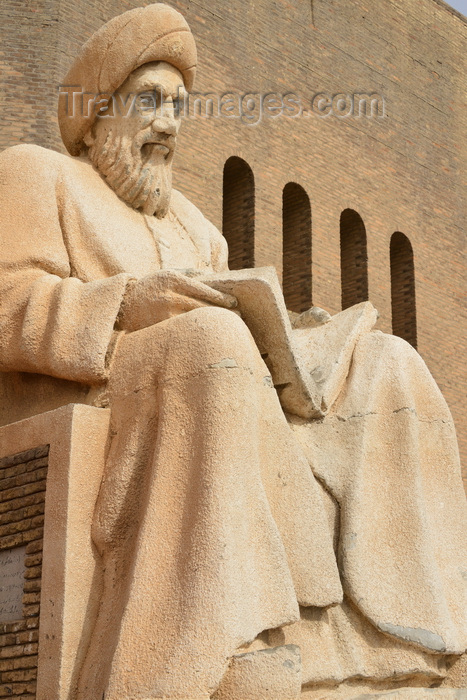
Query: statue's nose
column 166, row 124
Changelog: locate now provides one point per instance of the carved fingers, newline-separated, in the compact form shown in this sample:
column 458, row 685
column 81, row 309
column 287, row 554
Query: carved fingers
column 165, row 294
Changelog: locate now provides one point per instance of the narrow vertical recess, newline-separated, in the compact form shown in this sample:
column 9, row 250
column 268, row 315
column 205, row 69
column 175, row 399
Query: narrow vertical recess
column 296, row 248
column 238, row 213
column 403, row 302
column 354, row 259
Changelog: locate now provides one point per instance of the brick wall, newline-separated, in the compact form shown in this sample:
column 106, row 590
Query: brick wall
column 22, row 502
column 401, row 173
column 28, row 69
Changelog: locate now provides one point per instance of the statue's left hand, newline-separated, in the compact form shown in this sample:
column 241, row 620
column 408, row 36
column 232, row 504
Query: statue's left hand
column 164, row 294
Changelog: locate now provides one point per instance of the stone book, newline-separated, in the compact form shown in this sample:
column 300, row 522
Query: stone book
column 306, row 367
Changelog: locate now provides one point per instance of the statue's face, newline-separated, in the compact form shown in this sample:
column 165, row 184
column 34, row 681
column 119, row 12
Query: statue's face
column 148, row 120
column 133, row 146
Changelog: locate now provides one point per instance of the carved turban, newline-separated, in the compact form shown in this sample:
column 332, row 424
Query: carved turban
column 153, row 33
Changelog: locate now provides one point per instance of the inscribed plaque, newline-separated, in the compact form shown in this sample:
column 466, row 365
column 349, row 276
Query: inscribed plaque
column 12, row 566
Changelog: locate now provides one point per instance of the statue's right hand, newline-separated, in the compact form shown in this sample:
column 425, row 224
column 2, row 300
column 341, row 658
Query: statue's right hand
column 164, row 294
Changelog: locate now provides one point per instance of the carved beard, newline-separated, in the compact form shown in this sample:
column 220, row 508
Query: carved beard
column 135, row 169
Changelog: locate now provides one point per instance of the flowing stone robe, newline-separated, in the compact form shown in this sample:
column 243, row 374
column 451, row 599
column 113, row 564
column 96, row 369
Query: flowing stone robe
column 211, row 524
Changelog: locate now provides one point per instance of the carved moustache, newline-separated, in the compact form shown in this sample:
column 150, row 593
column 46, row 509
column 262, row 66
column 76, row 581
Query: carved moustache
column 158, row 145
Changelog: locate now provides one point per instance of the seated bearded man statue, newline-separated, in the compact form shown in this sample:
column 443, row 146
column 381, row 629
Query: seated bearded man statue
column 249, row 544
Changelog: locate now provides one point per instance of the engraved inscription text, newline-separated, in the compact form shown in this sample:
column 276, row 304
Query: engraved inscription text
column 12, row 566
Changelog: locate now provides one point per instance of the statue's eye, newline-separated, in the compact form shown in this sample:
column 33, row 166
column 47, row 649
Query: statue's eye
column 146, row 102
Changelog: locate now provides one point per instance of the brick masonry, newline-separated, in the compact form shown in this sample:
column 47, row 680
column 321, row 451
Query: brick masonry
column 22, row 502
column 401, row 173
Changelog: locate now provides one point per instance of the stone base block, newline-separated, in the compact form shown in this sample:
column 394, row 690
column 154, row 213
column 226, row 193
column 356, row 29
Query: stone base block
column 70, row 577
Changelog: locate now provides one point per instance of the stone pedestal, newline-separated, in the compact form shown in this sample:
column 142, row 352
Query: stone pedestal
column 50, row 471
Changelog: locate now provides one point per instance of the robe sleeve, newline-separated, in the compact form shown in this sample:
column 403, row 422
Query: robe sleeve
column 50, row 322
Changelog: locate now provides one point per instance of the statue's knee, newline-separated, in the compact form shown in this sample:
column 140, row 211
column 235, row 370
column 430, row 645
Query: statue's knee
column 212, row 335
column 392, row 349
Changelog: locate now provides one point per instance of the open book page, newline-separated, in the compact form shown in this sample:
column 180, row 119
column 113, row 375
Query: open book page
column 261, row 304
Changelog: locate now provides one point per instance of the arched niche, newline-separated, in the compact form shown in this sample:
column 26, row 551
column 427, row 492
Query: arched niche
column 403, row 302
column 296, row 248
column 354, row 259
column 238, row 212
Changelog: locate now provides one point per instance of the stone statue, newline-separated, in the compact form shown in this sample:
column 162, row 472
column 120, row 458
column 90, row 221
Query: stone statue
column 282, row 509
